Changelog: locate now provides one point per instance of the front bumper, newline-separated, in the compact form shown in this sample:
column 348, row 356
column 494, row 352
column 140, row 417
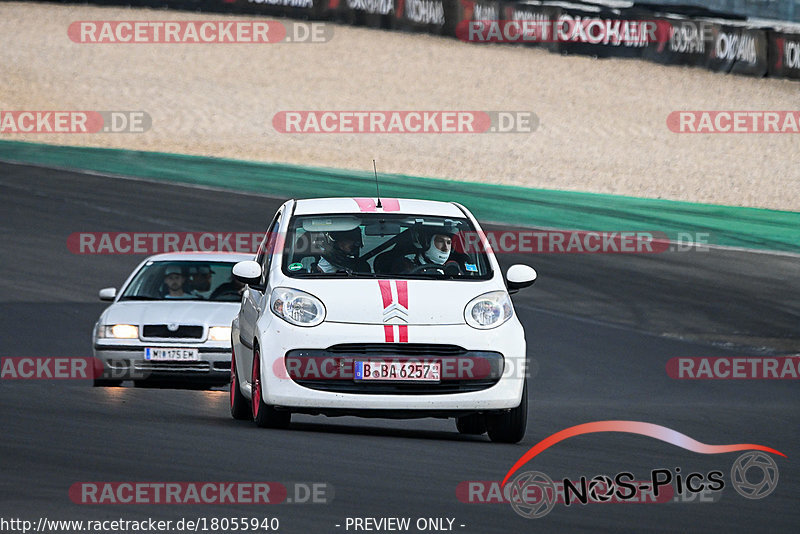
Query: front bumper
column 126, row 362
column 281, row 391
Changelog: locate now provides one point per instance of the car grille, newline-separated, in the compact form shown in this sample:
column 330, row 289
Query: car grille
column 196, row 367
column 422, row 388
column 163, row 331
column 397, row 349
column 332, row 369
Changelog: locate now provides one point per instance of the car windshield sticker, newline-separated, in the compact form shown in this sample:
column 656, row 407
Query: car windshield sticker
column 295, row 266
column 471, row 267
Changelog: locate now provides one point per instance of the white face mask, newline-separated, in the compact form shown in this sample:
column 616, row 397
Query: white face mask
column 436, row 255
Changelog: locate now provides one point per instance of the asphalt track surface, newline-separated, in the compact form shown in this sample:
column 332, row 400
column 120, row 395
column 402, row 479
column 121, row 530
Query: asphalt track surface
column 600, row 330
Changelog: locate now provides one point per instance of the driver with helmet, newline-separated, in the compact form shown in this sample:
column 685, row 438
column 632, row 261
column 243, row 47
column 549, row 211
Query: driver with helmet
column 340, row 252
column 433, row 252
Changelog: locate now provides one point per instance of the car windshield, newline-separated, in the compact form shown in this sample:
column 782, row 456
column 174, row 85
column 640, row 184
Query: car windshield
column 184, row 280
column 384, row 246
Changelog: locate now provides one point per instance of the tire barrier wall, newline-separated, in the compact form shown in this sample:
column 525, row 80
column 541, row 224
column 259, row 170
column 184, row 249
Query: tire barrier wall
column 679, row 35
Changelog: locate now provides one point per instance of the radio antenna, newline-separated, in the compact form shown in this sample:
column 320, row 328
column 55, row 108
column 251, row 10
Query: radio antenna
column 377, row 188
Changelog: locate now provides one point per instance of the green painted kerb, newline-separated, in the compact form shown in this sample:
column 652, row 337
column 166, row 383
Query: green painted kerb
column 727, row 225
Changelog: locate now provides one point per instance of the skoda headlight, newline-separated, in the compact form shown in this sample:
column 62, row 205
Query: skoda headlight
column 219, row 333
column 490, row 310
column 118, row 331
column 297, row 307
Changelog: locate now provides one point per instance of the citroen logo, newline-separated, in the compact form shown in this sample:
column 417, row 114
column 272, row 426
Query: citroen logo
column 395, row 314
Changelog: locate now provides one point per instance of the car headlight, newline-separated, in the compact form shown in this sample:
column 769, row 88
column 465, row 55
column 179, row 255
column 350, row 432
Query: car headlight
column 118, row 331
column 297, row 307
column 490, row 310
column 219, row 333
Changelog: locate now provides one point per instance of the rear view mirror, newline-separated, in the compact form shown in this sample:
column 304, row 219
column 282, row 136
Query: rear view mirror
column 108, row 293
column 519, row 276
column 333, row 223
column 382, row 228
column 247, row 272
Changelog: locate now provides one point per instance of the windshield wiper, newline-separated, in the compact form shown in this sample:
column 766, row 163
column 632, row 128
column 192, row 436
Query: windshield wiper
column 139, row 297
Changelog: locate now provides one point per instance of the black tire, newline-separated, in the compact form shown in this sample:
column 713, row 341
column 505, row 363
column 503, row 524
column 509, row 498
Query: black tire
column 240, row 408
column 509, row 427
column 471, row 425
column 264, row 415
column 106, row 383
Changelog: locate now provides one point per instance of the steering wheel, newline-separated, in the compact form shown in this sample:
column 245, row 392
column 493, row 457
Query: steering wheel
column 422, row 268
column 453, row 267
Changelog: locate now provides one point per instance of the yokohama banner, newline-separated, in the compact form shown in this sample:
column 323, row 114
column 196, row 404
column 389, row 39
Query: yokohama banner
column 784, row 54
column 681, row 41
column 371, row 13
column 544, row 16
column 307, row 9
column 738, row 49
column 466, row 11
column 429, row 16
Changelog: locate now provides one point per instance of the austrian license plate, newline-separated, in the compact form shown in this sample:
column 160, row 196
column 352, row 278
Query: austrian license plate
column 181, row 355
column 398, row 371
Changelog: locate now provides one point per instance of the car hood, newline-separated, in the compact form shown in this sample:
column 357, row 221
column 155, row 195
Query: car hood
column 411, row 302
column 187, row 312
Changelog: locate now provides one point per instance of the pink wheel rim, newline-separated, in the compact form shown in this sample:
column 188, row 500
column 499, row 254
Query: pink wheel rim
column 256, row 383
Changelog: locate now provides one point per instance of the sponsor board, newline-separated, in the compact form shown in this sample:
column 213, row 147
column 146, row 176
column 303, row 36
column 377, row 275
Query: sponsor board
column 422, row 15
column 738, row 50
column 537, row 14
column 680, row 41
column 784, row 54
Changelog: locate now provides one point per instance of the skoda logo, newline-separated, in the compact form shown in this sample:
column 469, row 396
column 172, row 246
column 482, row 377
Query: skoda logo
column 172, row 327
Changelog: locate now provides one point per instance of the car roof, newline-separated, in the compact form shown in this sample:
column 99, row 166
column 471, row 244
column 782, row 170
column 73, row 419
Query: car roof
column 407, row 206
column 201, row 256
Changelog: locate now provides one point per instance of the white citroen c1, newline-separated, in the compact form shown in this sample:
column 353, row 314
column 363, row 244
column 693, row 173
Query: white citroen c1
column 391, row 308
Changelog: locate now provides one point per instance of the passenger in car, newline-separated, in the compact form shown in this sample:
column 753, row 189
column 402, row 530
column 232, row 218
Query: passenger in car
column 200, row 278
column 174, row 280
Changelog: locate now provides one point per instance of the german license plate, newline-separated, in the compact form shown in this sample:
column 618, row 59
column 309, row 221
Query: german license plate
column 181, row 355
column 398, row 371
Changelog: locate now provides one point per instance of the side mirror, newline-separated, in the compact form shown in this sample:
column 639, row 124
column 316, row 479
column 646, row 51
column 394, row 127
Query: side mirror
column 247, row 272
column 108, row 293
column 519, row 276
